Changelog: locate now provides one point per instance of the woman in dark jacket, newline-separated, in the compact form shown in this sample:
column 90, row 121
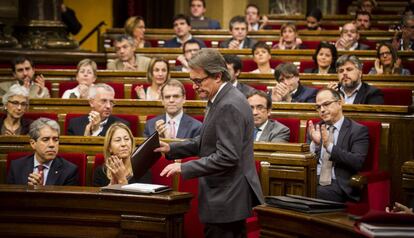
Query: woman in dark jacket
column 325, row 58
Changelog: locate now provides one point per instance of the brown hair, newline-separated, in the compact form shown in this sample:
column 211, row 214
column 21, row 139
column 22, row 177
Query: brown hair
column 151, row 68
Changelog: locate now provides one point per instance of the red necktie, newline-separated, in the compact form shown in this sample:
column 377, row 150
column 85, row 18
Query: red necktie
column 40, row 170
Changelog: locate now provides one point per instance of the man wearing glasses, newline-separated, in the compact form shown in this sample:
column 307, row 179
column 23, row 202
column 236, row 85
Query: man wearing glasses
column 341, row 146
column 228, row 183
column 24, row 73
column 190, row 48
column 266, row 130
column 350, row 84
column 288, row 87
column 404, row 40
column 96, row 123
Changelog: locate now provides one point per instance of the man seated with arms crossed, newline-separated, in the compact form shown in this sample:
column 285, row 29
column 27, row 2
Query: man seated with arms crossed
column 96, row 123
column 182, row 28
column 288, row 87
column 127, row 59
column 349, row 38
column 43, row 167
column 239, row 39
column 174, row 123
column 341, row 147
column 350, row 83
column 198, row 20
column 266, row 130
column 234, row 66
column 190, row 48
column 24, row 73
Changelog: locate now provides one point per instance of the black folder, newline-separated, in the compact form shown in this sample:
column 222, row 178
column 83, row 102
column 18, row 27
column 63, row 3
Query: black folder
column 304, row 204
column 144, row 157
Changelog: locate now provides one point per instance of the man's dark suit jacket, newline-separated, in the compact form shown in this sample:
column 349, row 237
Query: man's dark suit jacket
column 206, row 23
column 368, row 94
column 248, row 43
column 189, row 127
column 77, row 125
column 228, row 183
column 173, row 43
column 61, row 172
column 274, row 132
column 362, row 46
column 244, row 88
column 349, row 153
column 24, row 124
column 304, row 94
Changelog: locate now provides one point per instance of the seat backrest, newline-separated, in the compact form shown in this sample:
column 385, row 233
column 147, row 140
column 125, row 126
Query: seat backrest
column 63, row 86
column 260, row 87
column 397, row 96
column 118, row 87
column 250, row 65
column 69, row 117
column 294, row 125
column 78, row 159
column 36, row 115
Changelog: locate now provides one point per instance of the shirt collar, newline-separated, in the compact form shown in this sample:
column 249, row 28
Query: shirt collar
column 45, row 165
column 176, row 119
column 339, row 123
column 353, row 92
column 221, row 87
column 262, row 127
column 189, row 38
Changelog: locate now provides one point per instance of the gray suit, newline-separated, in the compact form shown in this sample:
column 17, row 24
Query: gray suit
column 228, row 183
column 275, row 132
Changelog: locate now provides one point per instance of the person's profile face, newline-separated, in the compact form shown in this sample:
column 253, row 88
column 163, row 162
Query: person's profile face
column 24, row 72
column 173, row 99
column 324, row 57
column 205, row 86
column 259, row 108
column 124, row 50
column 139, row 30
column 252, row 15
column 233, row 75
column 103, row 103
column 46, row 146
column 121, row 144
column 239, row 31
column 86, row 75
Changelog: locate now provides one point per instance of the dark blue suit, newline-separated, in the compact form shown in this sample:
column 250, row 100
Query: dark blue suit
column 77, row 125
column 173, row 43
column 304, row 94
column 368, row 94
column 61, row 172
column 189, row 127
column 206, row 23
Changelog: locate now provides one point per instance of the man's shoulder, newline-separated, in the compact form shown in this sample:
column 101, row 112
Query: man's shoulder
column 22, row 160
column 172, row 43
column 113, row 64
column 156, row 118
column 113, row 119
column 190, row 119
column 60, row 161
column 78, row 119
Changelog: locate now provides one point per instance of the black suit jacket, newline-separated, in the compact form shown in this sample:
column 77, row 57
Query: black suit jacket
column 61, row 172
column 368, row 94
column 77, row 125
column 248, row 43
column 304, row 94
column 228, row 182
column 24, row 124
column 349, row 153
column 100, row 179
column 189, row 127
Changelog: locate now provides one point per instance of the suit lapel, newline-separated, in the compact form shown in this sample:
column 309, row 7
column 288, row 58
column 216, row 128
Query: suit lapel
column 266, row 131
column 359, row 98
column 54, row 172
column 106, row 126
column 343, row 132
column 183, row 125
column 28, row 168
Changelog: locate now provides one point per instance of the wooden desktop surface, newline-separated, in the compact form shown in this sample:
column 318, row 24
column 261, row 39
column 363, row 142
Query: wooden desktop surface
column 63, row 211
column 278, row 222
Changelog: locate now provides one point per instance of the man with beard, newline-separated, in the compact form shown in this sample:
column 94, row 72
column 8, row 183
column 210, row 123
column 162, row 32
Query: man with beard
column 43, row 167
column 228, row 184
column 24, row 73
column 350, row 84
column 97, row 122
column 127, row 59
column 174, row 123
column 341, row 147
column 198, row 20
column 182, row 28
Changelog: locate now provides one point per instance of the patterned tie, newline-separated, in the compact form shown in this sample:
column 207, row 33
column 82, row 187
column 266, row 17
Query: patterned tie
column 325, row 177
column 40, row 171
column 172, row 128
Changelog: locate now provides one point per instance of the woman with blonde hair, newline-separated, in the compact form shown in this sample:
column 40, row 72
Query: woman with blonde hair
column 157, row 75
column 86, row 76
column 118, row 147
column 289, row 39
column 135, row 27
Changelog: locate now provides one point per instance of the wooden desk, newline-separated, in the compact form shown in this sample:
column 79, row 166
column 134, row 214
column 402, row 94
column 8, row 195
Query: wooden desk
column 55, row 211
column 276, row 222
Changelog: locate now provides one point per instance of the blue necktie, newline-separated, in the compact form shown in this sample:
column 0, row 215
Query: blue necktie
column 255, row 131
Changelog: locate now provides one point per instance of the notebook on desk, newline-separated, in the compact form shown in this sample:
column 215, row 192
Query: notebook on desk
column 136, row 188
column 304, row 204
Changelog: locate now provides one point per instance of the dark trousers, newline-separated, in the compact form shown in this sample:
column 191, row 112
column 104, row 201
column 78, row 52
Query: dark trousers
column 331, row 192
column 235, row 229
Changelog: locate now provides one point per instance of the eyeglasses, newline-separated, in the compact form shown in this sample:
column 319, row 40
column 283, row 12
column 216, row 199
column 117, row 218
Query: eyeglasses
column 199, row 81
column 384, row 54
column 258, row 107
column 325, row 105
column 17, row 104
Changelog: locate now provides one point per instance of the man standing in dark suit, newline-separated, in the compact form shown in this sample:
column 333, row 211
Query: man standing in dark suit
column 174, row 123
column 43, row 167
column 350, row 84
column 266, row 130
column 228, row 183
column 234, row 66
column 238, row 30
column 341, row 146
column 288, row 88
column 96, row 123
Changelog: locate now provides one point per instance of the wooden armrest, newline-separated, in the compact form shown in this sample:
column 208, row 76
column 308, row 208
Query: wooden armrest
column 359, row 181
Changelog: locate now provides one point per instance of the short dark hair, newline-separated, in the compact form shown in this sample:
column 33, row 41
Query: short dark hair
column 261, row 45
column 20, row 60
column 286, row 68
column 316, row 13
column 123, row 37
column 253, row 5
column 363, row 13
column 235, row 61
column 237, row 19
column 329, row 46
column 182, row 17
column 261, row 94
column 335, row 93
column 191, row 41
column 203, row 1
